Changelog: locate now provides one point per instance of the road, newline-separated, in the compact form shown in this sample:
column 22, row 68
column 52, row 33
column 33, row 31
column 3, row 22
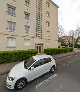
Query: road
column 65, row 79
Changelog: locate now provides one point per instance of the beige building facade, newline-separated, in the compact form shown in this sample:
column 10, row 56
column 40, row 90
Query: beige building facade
column 28, row 24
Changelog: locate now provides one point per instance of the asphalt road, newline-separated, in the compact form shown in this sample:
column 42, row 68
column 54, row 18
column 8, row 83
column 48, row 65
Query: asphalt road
column 65, row 79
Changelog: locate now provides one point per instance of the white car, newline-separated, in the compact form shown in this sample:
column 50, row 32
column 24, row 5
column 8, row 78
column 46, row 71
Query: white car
column 28, row 70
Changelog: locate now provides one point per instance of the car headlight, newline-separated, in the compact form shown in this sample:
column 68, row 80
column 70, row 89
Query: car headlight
column 11, row 78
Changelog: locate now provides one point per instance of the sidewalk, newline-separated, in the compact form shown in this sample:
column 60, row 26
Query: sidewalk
column 5, row 68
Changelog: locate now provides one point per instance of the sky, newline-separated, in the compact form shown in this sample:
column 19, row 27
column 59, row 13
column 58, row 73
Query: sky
column 69, row 14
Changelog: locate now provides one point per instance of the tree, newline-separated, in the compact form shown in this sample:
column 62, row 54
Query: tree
column 78, row 31
column 74, row 33
column 71, row 32
column 61, row 31
column 71, row 38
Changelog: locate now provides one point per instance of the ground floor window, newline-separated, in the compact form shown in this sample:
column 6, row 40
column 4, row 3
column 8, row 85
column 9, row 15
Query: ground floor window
column 11, row 42
column 26, row 42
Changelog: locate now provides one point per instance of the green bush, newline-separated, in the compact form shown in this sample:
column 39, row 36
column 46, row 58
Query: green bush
column 18, row 55
column 54, row 51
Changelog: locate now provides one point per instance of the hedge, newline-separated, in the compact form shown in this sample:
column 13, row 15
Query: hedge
column 54, row 51
column 18, row 55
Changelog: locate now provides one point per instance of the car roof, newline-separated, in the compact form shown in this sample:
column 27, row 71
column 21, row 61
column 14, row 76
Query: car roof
column 37, row 57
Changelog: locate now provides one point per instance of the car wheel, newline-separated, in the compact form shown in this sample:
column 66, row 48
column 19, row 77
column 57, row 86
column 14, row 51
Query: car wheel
column 52, row 69
column 20, row 84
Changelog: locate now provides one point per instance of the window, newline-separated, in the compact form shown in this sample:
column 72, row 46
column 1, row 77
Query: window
column 47, row 4
column 48, row 14
column 41, row 62
column 48, row 43
column 38, row 63
column 11, row 10
column 48, row 34
column 14, row 0
column 27, row 15
column 11, row 42
column 26, row 42
column 38, row 34
column 27, row 3
column 27, row 28
column 29, row 62
column 47, row 23
column 11, row 26
column 47, row 60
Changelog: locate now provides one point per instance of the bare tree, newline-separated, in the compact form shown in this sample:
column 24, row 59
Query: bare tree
column 78, row 31
column 71, row 32
column 61, row 31
column 73, row 35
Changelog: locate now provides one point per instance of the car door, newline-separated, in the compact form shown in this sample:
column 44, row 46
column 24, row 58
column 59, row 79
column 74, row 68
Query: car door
column 36, row 70
column 47, row 64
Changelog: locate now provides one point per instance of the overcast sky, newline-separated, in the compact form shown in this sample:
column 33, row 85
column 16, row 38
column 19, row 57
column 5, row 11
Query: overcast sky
column 69, row 13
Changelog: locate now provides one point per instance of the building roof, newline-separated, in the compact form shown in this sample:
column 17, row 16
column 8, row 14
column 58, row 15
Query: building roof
column 54, row 3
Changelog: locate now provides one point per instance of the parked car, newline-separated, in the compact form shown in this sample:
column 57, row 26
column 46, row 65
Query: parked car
column 28, row 70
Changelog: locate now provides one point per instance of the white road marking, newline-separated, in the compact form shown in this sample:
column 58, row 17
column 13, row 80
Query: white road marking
column 58, row 89
column 46, row 81
column 64, row 65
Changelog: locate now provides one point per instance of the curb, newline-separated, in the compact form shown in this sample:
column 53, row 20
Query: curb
column 6, row 72
column 56, row 58
column 65, row 56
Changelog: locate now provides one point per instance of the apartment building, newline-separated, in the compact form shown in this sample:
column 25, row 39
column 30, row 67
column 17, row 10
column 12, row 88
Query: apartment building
column 28, row 24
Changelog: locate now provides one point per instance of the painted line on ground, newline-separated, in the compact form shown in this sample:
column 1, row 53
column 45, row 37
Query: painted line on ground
column 58, row 89
column 46, row 81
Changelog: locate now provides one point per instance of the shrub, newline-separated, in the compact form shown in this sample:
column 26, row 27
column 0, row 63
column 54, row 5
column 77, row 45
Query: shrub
column 54, row 51
column 18, row 55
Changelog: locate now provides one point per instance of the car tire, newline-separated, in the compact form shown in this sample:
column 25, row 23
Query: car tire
column 52, row 69
column 20, row 84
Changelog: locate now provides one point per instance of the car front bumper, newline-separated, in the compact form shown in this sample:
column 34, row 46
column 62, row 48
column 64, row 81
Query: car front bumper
column 10, row 84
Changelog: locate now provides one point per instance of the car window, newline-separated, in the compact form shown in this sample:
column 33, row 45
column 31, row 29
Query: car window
column 47, row 60
column 29, row 62
column 39, row 63
column 35, row 64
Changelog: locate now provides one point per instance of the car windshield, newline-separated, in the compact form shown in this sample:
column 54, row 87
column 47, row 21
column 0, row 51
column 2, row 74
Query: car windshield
column 29, row 62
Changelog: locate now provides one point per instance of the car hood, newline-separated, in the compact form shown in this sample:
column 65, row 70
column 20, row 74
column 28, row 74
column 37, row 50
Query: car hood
column 18, row 70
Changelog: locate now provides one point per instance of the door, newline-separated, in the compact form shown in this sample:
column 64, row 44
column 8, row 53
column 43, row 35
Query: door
column 47, row 65
column 39, row 48
column 35, row 71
